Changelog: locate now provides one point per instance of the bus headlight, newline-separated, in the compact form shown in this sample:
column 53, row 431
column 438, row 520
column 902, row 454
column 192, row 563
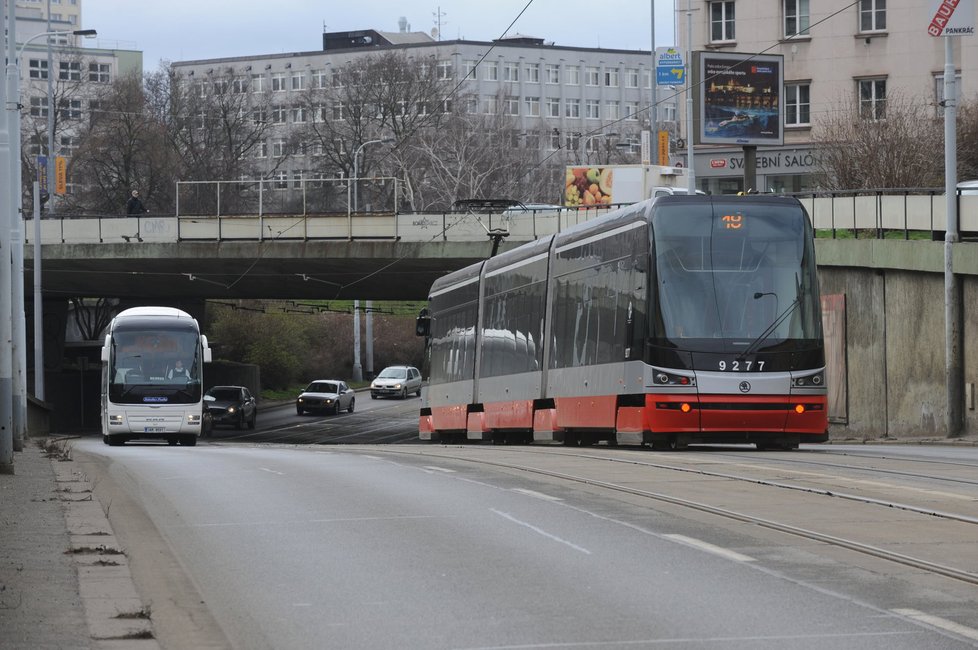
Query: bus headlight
column 193, row 418
column 115, row 419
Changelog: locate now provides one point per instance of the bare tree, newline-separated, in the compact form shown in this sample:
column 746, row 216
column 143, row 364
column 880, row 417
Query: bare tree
column 124, row 147
column 967, row 136
column 860, row 152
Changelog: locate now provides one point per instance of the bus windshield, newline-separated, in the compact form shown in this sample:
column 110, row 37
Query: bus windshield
column 733, row 277
column 150, row 364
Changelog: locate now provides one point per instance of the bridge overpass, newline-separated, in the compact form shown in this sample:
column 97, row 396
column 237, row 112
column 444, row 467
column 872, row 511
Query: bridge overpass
column 376, row 256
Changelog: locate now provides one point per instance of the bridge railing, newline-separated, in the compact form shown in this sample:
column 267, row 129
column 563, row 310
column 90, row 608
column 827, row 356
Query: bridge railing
column 404, row 226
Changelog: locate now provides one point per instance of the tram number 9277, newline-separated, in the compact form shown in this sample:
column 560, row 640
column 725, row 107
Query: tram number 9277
column 739, row 365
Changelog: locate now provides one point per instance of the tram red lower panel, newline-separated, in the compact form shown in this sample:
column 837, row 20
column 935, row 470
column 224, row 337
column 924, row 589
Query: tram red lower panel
column 509, row 415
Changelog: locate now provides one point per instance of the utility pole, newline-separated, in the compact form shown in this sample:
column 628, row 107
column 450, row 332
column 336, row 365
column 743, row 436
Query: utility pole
column 6, row 258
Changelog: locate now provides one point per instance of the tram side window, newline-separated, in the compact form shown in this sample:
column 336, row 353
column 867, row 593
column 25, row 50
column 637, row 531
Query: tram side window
column 590, row 319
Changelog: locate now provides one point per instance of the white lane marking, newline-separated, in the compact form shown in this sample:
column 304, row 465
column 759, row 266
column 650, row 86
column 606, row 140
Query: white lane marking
column 710, row 548
column 540, row 531
column 291, row 522
column 538, row 495
column 687, row 640
column 271, row 471
column 938, row 622
column 302, row 604
column 439, row 469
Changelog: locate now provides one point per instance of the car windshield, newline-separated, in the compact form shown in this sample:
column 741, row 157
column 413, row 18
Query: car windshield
column 393, row 373
column 223, row 393
column 321, row 387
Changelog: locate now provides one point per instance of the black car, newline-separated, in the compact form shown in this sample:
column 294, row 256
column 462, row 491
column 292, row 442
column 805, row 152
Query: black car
column 234, row 405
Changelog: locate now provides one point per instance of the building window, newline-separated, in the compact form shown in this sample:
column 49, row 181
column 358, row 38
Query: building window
column 98, row 72
column 796, row 18
column 553, row 73
column 532, row 71
column 339, row 111
column 261, row 149
column 555, row 139
column 489, row 106
column 278, row 83
column 38, row 69
column 298, row 82
column 239, row 85
column 631, row 110
column 572, row 108
column 592, row 75
column 511, row 72
column 572, row 75
column 631, row 77
column 592, row 109
column 872, row 15
column 491, row 71
column 278, row 147
column 280, row 180
column 39, row 106
column 939, row 90
column 512, row 105
column 553, row 107
column 533, row 107
column 444, row 70
column 257, row 83
column 299, row 114
column 468, row 69
column 69, row 109
column 69, row 70
column 872, row 99
column 69, row 144
column 278, row 115
column 797, row 104
column 722, row 21
column 611, row 77
column 612, row 110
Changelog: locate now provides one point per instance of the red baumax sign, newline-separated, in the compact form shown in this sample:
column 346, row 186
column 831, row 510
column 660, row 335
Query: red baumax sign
column 718, row 163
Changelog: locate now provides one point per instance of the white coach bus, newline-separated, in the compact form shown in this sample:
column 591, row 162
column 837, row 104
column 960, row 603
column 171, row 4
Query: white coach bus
column 152, row 374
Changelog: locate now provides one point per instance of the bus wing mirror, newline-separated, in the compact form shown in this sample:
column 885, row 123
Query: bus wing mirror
column 422, row 326
column 206, row 348
column 105, row 347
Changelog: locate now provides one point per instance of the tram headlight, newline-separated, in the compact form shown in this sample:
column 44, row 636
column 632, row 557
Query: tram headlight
column 663, row 378
column 809, row 381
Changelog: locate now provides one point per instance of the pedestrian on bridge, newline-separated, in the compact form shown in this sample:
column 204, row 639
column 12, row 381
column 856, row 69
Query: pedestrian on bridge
column 134, row 205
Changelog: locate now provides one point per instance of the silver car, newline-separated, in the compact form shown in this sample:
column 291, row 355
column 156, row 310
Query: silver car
column 327, row 396
column 396, row 381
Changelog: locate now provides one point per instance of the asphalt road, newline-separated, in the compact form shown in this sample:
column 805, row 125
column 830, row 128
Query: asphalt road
column 286, row 545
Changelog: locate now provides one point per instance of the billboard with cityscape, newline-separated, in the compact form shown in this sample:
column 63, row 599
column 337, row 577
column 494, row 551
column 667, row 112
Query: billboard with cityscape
column 737, row 98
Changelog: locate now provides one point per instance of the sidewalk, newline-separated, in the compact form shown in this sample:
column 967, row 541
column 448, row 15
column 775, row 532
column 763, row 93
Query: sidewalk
column 64, row 581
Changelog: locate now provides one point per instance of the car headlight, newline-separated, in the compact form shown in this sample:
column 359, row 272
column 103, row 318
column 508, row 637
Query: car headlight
column 231, row 409
column 397, row 387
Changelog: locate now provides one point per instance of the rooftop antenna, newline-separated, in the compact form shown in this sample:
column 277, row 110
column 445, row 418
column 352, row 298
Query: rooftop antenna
column 438, row 21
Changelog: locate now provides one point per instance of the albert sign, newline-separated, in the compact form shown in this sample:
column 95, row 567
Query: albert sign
column 951, row 17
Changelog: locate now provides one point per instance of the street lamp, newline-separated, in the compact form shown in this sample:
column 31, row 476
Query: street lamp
column 585, row 141
column 13, row 88
column 356, row 168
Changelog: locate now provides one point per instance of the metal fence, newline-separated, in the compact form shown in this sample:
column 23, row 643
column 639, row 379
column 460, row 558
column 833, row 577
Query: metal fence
column 276, row 196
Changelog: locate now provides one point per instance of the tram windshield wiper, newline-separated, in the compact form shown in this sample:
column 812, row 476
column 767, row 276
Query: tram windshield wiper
column 773, row 326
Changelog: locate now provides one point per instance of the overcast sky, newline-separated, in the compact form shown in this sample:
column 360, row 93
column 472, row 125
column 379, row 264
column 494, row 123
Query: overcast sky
column 181, row 30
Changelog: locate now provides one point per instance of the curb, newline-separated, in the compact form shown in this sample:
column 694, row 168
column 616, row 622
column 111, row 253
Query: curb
column 116, row 616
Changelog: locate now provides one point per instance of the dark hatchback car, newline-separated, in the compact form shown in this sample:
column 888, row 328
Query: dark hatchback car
column 234, row 405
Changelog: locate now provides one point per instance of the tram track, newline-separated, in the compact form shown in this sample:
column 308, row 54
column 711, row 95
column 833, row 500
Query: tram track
column 727, row 513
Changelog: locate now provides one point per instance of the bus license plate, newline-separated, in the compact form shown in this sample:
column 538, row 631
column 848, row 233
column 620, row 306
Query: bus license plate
column 153, row 429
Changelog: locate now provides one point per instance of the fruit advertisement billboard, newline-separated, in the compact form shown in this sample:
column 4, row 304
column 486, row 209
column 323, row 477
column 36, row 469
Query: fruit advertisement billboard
column 585, row 186
column 738, row 98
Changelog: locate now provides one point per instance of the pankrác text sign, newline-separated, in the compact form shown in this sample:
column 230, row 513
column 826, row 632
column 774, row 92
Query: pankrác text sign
column 952, row 18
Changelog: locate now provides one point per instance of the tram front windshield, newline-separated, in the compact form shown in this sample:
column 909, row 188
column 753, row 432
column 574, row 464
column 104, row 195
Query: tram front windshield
column 153, row 364
column 734, row 277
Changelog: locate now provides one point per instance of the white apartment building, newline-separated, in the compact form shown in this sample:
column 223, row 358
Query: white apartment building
column 577, row 96
column 77, row 74
column 834, row 51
